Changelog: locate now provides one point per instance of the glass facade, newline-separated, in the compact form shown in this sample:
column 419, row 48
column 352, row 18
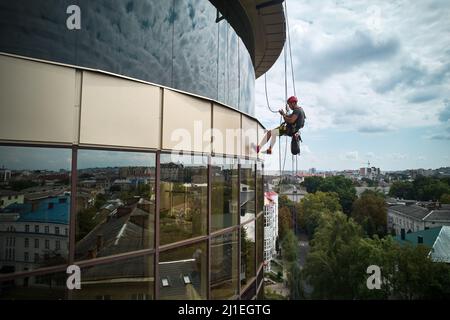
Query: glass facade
column 248, row 249
column 114, row 197
column 34, row 208
column 172, row 43
column 115, row 203
column 183, row 273
column 224, row 266
column 87, row 185
column 224, row 195
column 183, row 208
column 247, row 193
column 129, row 279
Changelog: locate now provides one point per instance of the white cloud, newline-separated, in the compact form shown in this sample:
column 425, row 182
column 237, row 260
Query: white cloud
column 351, row 155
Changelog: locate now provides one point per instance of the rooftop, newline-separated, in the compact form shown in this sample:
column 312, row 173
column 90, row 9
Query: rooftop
column 413, row 211
column 58, row 212
column 438, row 239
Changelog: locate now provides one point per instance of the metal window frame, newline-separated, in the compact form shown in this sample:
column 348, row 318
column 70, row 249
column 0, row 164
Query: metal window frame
column 157, row 249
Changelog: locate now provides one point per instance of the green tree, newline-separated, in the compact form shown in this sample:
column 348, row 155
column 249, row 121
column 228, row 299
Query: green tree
column 289, row 247
column 445, row 198
column 402, row 190
column 370, row 212
column 312, row 184
column 295, row 282
column 332, row 264
column 284, row 222
column 312, row 206
column 344, row 188
column 426, row 188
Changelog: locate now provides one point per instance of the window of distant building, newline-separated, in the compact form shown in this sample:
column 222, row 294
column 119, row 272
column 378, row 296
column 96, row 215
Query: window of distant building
column 47, row 229
column 57, row 230
column 36, row 243
column 36, row 228
column 25, row 256
column 186, row 280
column 27, row 243
column 47, row 244
column 27, row 228
column 165, row 282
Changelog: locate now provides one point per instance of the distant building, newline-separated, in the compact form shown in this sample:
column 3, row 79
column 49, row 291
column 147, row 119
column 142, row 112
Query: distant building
column 34, row 234
column 8, row 197
column 437, row 239
column 414, row 218
column 5, row 175
column 270, row 227
column 369, row 172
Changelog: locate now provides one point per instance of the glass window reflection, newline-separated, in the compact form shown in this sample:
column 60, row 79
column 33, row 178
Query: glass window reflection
column 247, row 205
column 224, row 194
column 183, row 273
column 247, row 253
column 115, row 203
column 260, row 240
column 259, row 188
column 183, row 199
column 224, row 266
column 130, row 279
column 43, row 287
column 34, row 195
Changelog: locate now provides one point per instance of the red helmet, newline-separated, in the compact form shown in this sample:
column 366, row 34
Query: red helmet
column 292, row 99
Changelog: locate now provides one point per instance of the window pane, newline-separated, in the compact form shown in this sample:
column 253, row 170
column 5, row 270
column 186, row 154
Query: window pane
column 37, row 183
column 224, row 194
column 224, row 266
column 115, row 203
column 175, row 265
column 247, row 252
column 250, row 292
column 260, row 240
column 130, row 279
column 247, row 190
column 183, row 197
column 259, row 188
column 43, row 287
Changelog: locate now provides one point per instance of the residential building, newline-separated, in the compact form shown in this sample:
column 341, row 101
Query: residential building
column 437, row 239
column 270, row 227
column 414, row 218
column 8, row 197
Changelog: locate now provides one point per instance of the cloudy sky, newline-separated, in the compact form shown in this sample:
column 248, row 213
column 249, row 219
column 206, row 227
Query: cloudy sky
column 374, row 80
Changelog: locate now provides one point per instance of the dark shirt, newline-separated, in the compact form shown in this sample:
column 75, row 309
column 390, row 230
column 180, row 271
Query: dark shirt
column 300, row 122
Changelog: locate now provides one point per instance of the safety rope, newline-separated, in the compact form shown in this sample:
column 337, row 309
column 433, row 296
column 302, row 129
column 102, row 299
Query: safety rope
column 287, row 47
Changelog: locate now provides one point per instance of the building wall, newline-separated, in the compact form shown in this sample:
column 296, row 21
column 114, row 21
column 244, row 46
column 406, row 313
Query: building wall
column 270, row 230
column 97, row 130
column 176, row 44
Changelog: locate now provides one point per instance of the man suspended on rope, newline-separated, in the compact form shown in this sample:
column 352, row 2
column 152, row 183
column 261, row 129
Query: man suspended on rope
column 292, row 123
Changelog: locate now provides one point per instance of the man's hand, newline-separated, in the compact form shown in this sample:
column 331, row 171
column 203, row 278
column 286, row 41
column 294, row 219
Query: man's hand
column 281, row 111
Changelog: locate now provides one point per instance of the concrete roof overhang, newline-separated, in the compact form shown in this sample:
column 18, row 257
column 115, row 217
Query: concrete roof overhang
column 261, row 26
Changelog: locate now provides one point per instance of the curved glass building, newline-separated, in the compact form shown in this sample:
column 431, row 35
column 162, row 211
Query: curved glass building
column 128, row 148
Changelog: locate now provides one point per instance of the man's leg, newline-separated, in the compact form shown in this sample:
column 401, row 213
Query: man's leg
column 264, row 140
column 273, row 139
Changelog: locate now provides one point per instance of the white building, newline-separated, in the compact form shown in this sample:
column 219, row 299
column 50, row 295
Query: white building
column 413, row 218
column 270, row 227
column 34, row 234
column 8, row 197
